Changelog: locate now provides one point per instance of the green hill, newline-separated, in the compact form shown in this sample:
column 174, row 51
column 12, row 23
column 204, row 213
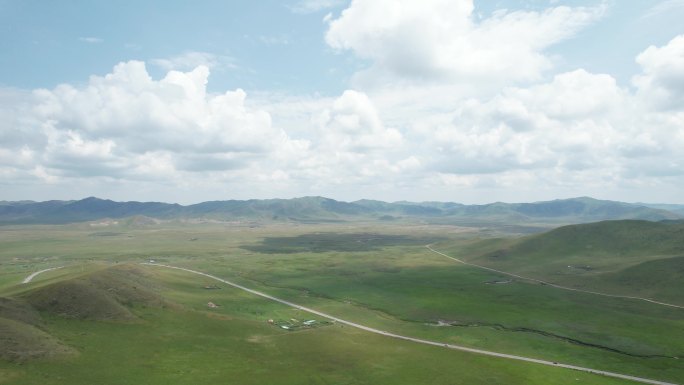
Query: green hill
column 627, row 237
column 22, row 337
column 21, row 342
column 626, row 257
column 104, row 295
column 107, row 295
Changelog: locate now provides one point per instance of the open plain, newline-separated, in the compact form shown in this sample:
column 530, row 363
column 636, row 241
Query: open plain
column 107, row 315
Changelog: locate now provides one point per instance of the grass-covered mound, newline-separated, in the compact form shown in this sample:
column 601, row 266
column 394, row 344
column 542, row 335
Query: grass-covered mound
column 105, row 295
column 20, row 311
column 21, row 337
column 21, row 342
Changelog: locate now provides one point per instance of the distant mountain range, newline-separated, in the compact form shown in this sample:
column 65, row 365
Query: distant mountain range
column 319, row 209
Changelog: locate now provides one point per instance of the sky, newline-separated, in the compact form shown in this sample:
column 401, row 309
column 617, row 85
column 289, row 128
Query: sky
column 438, row 100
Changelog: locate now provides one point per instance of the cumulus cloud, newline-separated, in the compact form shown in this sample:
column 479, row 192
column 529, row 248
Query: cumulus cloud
column 17, row 121
column 174, row 113
column 128, row 126
column 441, row 40
column 564, row 124
column 662, row 80
column 353, row 124
column 350, row 145
column 575, row 130
column 126, row 123
column 578, row 129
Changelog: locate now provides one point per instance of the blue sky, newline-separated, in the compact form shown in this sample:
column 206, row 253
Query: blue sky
column 274, row 45
column 271, row 46
column 434, row 100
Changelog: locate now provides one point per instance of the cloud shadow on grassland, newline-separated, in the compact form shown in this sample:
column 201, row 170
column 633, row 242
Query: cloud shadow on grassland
column 324, row 242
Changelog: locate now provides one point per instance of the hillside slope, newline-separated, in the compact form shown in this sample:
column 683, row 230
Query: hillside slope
column 627, row 257
column 22, row 337
column 104, row 295
column 107, row 295
column 626, row 237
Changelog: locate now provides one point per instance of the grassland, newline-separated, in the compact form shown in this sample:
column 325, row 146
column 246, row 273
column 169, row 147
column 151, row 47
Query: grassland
column 379, row 276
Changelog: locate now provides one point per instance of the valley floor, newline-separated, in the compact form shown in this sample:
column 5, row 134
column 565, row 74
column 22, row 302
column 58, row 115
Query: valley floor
column 156, row 324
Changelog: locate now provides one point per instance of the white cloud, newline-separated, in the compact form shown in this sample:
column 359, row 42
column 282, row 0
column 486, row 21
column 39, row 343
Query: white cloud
column 440, row 40
column 111, row 125
column 17, row 121
column 578, row 129
column 662, row 80
column 353, row 124
column 174, row 113
column 663, row 7
column 91, row 40
column 274, row 40
column 311, row 6
column 574, row 133
column 573, row 95
column 347, row 143
column 192, row 59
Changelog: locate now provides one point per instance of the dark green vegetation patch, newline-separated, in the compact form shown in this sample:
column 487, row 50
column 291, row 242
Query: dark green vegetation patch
column 324, row 242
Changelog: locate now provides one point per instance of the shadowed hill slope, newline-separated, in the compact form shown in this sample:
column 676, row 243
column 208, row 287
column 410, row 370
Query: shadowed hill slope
column 106, row 295
column 21, row 342
column 21, row 335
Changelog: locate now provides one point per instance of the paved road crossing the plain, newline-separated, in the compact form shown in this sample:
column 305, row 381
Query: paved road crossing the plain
column 418, row 340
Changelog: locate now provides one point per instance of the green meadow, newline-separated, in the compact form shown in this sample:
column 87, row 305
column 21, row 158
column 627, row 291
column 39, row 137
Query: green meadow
column 104, row 318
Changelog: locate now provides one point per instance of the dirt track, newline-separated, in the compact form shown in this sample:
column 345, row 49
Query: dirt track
column 30, row 277
column 552, row 284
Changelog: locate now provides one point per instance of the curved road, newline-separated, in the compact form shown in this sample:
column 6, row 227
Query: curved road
column 418, row 340
column 552, row 284
column 30, row 277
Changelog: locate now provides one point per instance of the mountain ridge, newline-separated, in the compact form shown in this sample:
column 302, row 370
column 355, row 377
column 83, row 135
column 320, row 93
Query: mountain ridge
column 581, row 209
